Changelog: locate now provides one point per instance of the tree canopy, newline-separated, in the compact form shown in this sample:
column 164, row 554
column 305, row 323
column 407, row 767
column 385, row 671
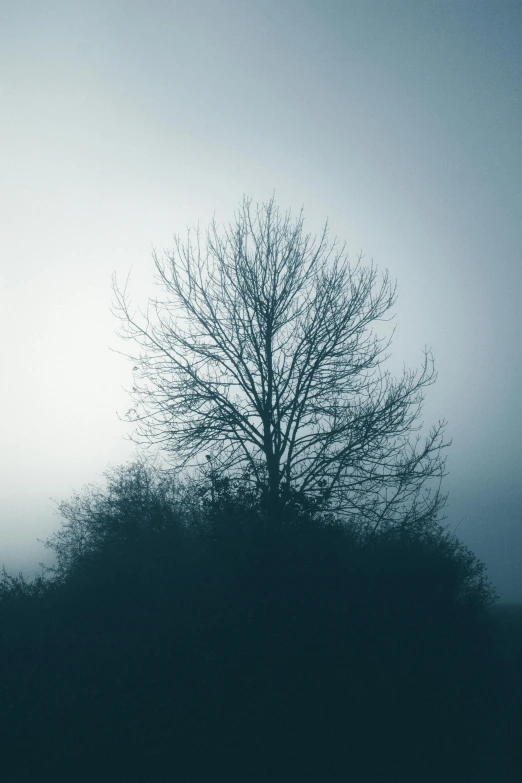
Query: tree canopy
column 261, row 359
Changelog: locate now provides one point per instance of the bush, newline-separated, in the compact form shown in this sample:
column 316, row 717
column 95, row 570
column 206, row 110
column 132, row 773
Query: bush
column 191, row 637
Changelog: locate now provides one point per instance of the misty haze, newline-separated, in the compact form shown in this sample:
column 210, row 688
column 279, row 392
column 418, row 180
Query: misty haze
column 260, row 505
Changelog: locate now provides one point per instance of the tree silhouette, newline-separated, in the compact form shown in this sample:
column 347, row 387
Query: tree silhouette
column 181, row 630
column 262, row 353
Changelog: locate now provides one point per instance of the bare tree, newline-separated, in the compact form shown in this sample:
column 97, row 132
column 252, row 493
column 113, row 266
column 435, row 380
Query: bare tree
column 263, row 354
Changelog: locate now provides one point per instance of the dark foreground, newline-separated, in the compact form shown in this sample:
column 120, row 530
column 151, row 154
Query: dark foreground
column 234, row 655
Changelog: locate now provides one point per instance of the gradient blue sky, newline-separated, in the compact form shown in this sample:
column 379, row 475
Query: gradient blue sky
column 122, row 122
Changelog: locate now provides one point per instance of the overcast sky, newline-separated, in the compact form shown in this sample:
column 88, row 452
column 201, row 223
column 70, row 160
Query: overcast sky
column 122, row 122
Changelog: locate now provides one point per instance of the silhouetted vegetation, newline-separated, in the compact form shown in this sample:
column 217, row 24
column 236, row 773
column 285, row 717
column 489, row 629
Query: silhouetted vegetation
column 183, row 636
column 261, row 358
column 295, row 610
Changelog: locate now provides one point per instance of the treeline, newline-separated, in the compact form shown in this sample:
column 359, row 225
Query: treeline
column 186, row 634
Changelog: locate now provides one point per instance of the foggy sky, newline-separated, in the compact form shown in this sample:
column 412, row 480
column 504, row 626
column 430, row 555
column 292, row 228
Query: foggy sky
column 122, row 122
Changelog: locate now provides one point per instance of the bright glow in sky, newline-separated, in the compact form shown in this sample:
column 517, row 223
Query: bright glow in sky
column 124, row 121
